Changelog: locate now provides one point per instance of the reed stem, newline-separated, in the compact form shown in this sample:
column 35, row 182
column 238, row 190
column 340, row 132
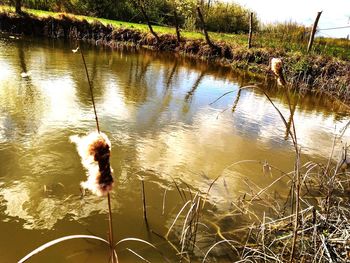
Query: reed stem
column 110, row 222
column 91, row 91
column 144, row 202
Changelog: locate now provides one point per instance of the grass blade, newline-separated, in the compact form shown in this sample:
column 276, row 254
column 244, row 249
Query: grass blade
column 59, row 240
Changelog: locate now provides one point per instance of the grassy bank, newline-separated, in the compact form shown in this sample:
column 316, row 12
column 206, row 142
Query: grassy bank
column 314, row 72
column 269, row 37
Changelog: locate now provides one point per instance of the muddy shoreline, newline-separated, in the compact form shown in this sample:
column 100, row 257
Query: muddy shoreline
column 319, row 74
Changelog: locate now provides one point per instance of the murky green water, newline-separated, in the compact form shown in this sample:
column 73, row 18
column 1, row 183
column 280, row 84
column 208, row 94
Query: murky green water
column 156, row 110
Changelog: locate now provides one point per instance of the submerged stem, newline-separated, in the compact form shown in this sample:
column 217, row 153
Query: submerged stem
column 144, row 202
column 110, row 224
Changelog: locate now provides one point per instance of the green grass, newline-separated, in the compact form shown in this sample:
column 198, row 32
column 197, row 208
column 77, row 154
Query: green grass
column 339, row 48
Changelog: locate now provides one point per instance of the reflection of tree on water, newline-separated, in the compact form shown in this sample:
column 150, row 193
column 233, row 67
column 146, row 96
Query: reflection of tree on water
column 79, row 75
column 195, row 85
column 235, row 103
column 21, row 57
column 291, row 104
column 32, row 105
column 171, row 75
column 21, row 108
column 190, row 93
column 136, row 89
column 174, row 143
column 94, row 69
column 166, row 98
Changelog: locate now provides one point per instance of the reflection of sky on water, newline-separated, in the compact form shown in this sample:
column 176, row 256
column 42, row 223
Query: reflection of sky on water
column 5, row 70
column 61, row 106
column 256, row 118
column 156, row 113
column 112, row 104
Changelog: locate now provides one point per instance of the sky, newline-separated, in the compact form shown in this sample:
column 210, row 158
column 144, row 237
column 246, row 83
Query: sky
column 336, row 13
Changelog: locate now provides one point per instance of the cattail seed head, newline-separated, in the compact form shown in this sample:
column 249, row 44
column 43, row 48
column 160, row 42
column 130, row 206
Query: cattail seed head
column 277, row 68
column 94, row 150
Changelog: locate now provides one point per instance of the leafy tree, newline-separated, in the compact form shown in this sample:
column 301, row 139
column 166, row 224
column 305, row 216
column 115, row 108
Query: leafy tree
column 216, row 16
column 187, row 8
column 228, row 17
column 193, row 9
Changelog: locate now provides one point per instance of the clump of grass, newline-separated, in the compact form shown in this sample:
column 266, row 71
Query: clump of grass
column 310, row 224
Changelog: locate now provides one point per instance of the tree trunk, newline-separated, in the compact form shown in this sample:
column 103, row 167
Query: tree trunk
column 143, row 11
column 207, row 39
column 18, row 6
column 209, row 4
column 178, row 36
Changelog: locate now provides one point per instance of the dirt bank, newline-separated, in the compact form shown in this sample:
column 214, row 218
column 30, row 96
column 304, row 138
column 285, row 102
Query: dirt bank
column 305, row 72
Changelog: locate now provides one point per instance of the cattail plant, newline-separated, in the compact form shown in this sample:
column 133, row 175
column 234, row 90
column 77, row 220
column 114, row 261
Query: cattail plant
column 277, row 69
column 276, row 65
column 94, row 150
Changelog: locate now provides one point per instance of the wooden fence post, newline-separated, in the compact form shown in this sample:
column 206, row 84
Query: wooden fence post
column 311, row 40
column 250, row 30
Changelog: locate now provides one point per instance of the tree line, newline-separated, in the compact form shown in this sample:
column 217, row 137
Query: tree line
column 218, row 16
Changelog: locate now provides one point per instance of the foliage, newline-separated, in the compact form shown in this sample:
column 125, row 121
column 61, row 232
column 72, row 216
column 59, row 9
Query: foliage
column 188, row 13
column 290, row 31
column 286, row 37
column 229, row 17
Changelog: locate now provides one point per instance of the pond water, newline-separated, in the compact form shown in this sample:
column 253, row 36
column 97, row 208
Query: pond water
column 156, row 109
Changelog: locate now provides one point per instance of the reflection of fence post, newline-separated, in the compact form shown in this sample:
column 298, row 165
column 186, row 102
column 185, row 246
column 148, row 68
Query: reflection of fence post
column 311, row 40
column 250, row 30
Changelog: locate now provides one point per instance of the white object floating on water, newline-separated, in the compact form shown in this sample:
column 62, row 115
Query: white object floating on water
column 26, row 74
column 75, row 50
column 94, row 150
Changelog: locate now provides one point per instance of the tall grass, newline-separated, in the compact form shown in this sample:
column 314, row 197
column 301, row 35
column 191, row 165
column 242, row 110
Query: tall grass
column 309, row 225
